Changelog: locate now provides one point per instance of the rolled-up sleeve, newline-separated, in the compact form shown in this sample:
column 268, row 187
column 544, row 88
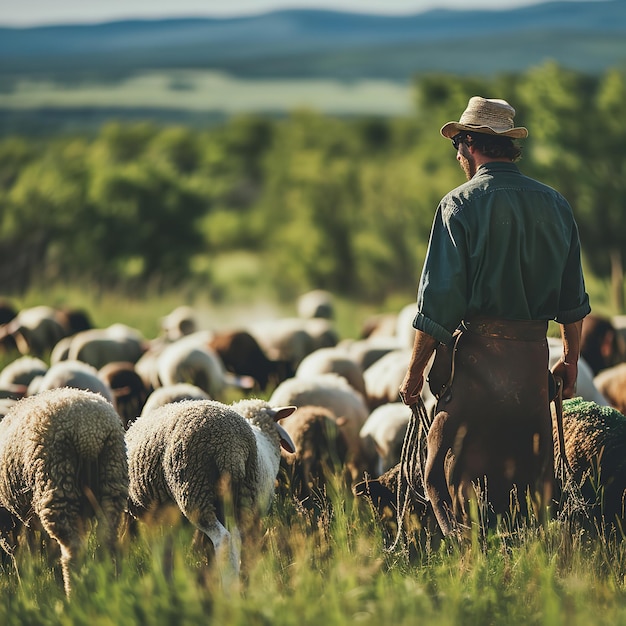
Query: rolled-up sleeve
column 573, row 301
column 442, row 292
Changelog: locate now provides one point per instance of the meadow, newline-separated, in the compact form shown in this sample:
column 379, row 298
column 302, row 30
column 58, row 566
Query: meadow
column 332, row 569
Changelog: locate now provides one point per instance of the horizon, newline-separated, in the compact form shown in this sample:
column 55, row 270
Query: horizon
column 77, row 12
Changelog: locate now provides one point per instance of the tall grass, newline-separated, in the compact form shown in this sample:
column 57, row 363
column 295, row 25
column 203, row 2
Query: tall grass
column 331, row 570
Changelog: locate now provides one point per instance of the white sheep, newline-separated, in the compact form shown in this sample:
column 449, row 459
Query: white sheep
column 332, row 359
column 291, row 339
column 316, row 303
column 385, row 428
column 611, row 382
column 204, row 456
column 366, row 352
column 75, row 374
column 99, row 346
column 192, row 360
column 178, row 323
column 22, row 370
column 173, row 393
column 62, row 463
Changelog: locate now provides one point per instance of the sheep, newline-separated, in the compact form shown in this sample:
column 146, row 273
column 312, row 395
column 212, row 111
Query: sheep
column 611, row 383
column 348, row 405
column 384, row 377
column 595, row 448
column 379, row 325
column 62, row 463
column 7, row 311
column 191, row 360
column 61, row 349
column 418, row 519
column 333, row 359
column 405, row 332
column 99, row 346
column 5, row 405
column 173, row 393
column 320, row 454
column 35, row 330
column 599, row 343
column 75, row 374
column 21, row 371
column 291, row 339
column 198, row 454
column 241, row 354
column 316, row 303
column 366, row 352
column 385, row 428
column 128, row 388
column 180, row 322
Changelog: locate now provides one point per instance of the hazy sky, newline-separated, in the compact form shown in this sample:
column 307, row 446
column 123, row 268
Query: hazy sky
column 35, row 12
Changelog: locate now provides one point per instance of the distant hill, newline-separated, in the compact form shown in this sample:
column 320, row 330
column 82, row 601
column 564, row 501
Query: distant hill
column 588, row 36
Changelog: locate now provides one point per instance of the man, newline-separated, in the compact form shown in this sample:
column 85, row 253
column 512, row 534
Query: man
column 503, row 259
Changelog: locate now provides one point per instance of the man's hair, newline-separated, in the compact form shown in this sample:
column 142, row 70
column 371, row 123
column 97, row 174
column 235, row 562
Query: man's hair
column 494, row 146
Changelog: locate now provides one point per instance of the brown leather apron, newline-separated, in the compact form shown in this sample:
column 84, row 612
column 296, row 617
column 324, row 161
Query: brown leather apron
column 491, row 385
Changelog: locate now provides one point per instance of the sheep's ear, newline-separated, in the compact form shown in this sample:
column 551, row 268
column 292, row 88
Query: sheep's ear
column 285, row 440
column 282, row 412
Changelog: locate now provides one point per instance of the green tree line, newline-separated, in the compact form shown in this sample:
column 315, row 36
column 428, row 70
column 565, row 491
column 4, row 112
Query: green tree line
column 340, row 204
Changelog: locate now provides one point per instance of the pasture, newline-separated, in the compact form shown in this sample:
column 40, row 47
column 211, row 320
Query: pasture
column 332, row 569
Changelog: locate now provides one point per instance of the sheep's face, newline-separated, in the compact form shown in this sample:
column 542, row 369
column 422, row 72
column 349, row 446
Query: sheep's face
column 265, row 417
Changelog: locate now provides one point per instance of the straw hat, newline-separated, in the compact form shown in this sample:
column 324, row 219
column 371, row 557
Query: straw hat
column 486, row 115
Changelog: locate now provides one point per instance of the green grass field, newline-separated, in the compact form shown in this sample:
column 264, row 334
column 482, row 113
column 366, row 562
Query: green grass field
column 333, row 570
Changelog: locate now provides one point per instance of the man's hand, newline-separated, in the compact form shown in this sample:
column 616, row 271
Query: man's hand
column 567, row 366
column 568, row 373
column 411, row 386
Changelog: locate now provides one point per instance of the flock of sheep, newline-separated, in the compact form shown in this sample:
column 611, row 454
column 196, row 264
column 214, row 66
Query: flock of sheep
column 104, row 424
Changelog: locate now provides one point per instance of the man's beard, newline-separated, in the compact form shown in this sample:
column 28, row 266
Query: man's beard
column 469, row 167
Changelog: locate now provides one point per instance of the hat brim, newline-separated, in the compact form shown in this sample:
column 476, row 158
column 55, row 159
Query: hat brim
column 452, row 128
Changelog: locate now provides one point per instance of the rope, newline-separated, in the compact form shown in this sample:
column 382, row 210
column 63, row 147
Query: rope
column 412, row 462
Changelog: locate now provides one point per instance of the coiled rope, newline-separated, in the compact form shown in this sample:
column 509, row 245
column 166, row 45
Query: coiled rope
column 410, row 487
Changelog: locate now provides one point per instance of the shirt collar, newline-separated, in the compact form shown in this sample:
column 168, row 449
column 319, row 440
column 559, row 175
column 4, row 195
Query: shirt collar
column 497, row 166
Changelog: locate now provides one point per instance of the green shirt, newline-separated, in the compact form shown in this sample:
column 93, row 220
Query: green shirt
column 502, row 245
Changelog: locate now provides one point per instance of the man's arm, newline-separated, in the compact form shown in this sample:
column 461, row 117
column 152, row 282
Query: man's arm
column 423, row 347
column 567, row 366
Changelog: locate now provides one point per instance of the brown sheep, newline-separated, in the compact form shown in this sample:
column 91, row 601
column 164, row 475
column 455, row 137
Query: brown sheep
column 242, row 355
column 128, row 388
column 320, row 454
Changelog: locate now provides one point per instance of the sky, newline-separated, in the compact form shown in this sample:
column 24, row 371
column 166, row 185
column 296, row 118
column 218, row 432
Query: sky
column 38, row 12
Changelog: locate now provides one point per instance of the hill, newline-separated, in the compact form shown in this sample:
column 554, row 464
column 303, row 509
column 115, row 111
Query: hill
column 587, row 36
column 70, row 77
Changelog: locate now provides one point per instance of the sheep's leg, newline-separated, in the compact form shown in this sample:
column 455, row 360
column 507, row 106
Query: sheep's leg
column 68, row 538
column 440, row 439
column 227, row 549
column 113, row 488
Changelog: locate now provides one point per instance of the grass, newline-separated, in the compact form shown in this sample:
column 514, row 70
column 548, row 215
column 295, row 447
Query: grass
column 333, row 572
